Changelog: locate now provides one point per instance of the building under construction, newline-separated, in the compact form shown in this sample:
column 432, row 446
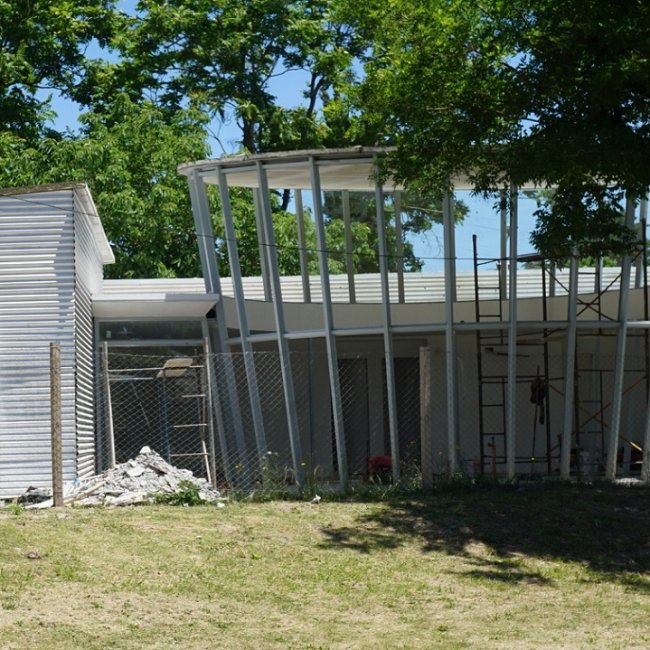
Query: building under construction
column 517, row 367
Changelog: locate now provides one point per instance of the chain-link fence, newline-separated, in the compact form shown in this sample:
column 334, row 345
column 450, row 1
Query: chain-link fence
column 232, row 419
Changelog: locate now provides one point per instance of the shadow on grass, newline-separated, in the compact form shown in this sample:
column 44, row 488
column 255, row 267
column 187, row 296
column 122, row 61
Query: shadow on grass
column 604, row 528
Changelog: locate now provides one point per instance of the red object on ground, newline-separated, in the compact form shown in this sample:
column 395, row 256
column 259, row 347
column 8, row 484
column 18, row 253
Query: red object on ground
column 379, row 467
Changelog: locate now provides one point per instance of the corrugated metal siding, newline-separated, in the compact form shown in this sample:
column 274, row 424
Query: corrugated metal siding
column 88, row 267
column 36, row 307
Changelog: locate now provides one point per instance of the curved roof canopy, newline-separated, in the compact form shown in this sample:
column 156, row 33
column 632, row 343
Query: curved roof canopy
column 340, row 169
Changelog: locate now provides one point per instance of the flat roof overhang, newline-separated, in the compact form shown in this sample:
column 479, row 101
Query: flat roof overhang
column 153, row 305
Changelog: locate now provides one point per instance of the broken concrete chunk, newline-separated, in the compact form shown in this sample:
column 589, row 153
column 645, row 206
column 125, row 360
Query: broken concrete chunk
column 133, row 472
column 126, row 499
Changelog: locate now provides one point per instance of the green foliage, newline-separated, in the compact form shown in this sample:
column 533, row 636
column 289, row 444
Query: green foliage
column 221, row 55
column 555, row 93
column 179, row 64
column 186, row 495
column 43, row 46
column 128, row 156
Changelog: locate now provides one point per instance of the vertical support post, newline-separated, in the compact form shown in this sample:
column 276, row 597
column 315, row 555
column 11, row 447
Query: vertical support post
column 645, row 466
column 511, row 399
column 619, row 362
column 302, row 245
column 503, row 231
column 207, row 391
column 261, row 245
column 450, row 334
column 349, row 254
column 205, row 236
column 55, row 422
column 399, row 247
column 278, row 309
column 100, row 414
column 640, row 261
column 426, row 441
column 388, row 337
column 242, row 316
column 328, row 318
column 166, row 425
column 569, row 369
column 216, row 410
column 552, row 270
column 595, row 394
column 109, row 406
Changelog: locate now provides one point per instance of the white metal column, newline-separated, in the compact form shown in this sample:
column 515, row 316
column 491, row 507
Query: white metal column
column 645, row 466
column 450, row 334
column 302, row 245
column 242, row 316
column 399, row 247
column 503, row 249
column 511, row 395
column 388, row 337
column 569, row 368
column 349, row 258
column 261, row 245
column 278, row 309
column 640, row 262
column 328, row 317
column 619, row 362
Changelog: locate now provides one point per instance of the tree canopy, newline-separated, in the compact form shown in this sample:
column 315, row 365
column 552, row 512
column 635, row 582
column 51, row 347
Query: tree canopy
column 42, row 48
column 166, row 72
column 555, row 93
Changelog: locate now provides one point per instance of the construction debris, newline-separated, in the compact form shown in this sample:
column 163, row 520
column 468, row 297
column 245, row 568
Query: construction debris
column 140, row 480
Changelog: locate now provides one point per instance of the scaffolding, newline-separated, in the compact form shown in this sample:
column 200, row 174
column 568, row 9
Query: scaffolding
column 589, row 404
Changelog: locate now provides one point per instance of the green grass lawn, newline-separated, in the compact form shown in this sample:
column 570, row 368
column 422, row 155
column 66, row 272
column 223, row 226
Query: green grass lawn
column 535, row 567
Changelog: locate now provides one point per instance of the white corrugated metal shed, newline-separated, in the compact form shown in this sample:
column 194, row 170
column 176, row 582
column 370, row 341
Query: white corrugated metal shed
column 52, row 249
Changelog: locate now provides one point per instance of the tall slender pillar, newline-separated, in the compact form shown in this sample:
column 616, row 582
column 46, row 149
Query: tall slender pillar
column 511, row 394
column 349, row 254
column 388, row 337
column 399, row 247
column 278, row 310
column 242, row 316
column 450, row 335
column 569, row 368
column 328, row 318
column 619, row 362
column 302, row 244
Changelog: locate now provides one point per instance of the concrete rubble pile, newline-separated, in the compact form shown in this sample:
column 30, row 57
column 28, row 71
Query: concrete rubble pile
column 139, row 480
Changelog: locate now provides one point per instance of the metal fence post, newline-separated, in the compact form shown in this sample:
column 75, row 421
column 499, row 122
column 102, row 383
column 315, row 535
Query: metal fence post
column 207, row 391
column 426, row 443
column 55, row 408
column 109, row 406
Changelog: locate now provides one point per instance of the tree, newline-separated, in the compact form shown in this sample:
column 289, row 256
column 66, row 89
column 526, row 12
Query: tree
column 556, row 93
column 128, row 155
column 42, row 48
column 221, row 56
